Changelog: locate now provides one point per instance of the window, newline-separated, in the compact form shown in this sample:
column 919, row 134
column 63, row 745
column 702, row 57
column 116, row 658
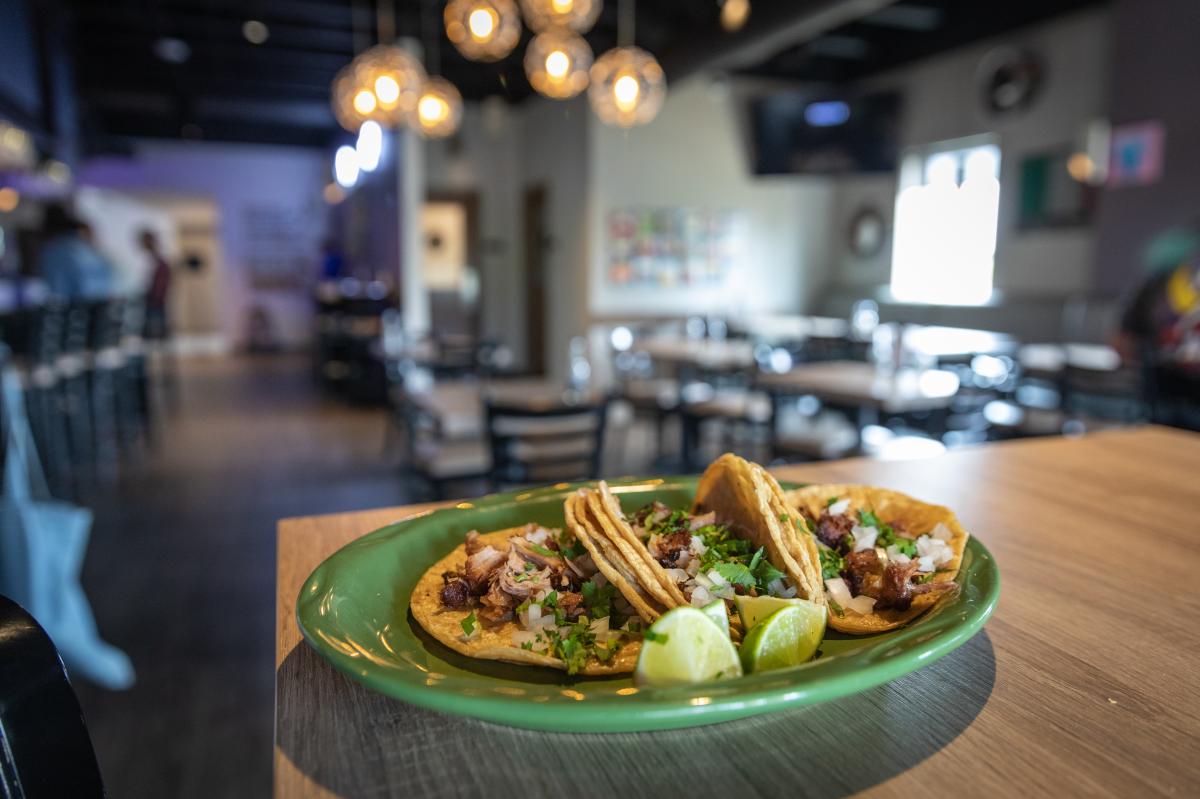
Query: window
column 944, row 244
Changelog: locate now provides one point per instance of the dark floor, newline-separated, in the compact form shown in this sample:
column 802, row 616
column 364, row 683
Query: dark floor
column 181, row 570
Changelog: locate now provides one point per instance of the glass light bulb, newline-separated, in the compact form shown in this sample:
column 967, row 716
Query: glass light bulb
column 432, row 109
column 558, row 64
column 625, row 92
column 364, row 101
column 482, row 23
column 563, row 6
column 387, row 90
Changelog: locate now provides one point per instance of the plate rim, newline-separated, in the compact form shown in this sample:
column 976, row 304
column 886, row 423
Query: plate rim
column 672, row 707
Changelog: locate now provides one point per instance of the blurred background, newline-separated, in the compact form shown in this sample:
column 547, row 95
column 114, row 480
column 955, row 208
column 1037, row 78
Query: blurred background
column 271, row 258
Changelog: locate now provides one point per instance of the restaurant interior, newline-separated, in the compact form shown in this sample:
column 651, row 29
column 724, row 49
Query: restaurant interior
column 279, row 258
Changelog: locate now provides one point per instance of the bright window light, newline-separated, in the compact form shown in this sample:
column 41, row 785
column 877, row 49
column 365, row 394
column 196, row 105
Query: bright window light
column 345, row 166
column 944, row 244
column 369, row 147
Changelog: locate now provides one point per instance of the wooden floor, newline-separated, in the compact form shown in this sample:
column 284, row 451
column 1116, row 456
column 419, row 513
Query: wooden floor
column 181, row 570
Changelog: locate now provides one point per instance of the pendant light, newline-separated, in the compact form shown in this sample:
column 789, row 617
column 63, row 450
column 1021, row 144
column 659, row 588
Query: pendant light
column 628, row 85
column 381, row 84
column 483, row 30
column 557, row 63
column 439, row 108
column 577, row 15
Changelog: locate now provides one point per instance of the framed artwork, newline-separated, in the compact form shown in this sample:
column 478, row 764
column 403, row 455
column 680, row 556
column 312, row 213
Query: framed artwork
column 671, row 246
column 1137, row 154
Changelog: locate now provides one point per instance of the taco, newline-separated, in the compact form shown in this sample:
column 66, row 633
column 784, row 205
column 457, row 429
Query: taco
column 532, row 595
column 886, row 558
column 730, row 542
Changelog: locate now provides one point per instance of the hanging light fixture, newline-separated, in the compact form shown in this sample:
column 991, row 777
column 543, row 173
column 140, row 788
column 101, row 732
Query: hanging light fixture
column 439, row 110
column 483, row 30
column 557, row 62
column 544, row 15
column 394, row 78
column 628, row 85
column 734, row 14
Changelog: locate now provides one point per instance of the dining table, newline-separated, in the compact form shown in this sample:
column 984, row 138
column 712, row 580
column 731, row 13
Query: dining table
column 867, row 386
column 1084, row 681
column 708, row 354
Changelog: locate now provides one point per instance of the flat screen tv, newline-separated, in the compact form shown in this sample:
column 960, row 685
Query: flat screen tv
column 825, row 133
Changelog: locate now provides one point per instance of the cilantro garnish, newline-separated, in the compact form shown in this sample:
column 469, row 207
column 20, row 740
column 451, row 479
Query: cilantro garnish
column 765, row 573
column 836, row 608
column 653, row 637
column 783, row 517
column 468, row 624
column 736, row 573
column 927, row 578
column 551, row 600
column 598, row 599
column 831, row 502
column 541, row 550
column 527, row 645
column 529, row 566
column 832, row 563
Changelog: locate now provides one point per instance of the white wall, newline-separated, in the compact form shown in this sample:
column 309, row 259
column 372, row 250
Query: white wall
column 941, row 101
column 694, row 154
column 236, row 178
column 485, row 158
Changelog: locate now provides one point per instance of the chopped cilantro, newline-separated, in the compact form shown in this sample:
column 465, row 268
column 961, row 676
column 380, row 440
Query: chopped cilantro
column 836, row 608
column 530, row 566
column 926, row 578
column 832, row 563
column 783, row 517
column 867, row 518
column 831, row 502
column 524, row 606
column 468, row 624
column 653, row 637
column 541, row 550
column 551, row 600
column 598, row 599
column 757, row 557
column 736, row 573
column 765, row 573
column 905, row 545
column 527, row 645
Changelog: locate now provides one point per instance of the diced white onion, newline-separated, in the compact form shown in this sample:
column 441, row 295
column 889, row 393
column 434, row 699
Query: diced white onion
column 697, row 545
column 544, row 623
column 678, row 575
column 864, row 538
column 936, row 548
column 524, row 637
column 789, row 592
column 724, row 592
column 896, row 556
column 775, row 587
column 839, row 507
column 925, row 564
column 683, row 558
column 703, row 520
column 599, row 627
column 840, row 592
column 701, row 597
column 716, row 578
column 702, row 581
column 941, row 532
column 693, row 566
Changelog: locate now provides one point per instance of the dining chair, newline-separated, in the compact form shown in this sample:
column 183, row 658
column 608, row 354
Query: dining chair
column 434, row 456
column 541, row 444
column 45, row 749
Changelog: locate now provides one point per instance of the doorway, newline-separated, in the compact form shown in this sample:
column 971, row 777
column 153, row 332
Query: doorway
column 450, row 264
column 535, row 240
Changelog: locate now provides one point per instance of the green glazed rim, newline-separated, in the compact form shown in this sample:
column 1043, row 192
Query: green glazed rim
column 353, row 610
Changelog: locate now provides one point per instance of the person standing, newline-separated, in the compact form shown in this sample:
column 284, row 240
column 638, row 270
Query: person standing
column 71, row 267
column 158, row 289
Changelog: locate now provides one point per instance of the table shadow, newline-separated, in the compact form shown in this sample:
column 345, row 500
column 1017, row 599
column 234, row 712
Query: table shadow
column 356, row 742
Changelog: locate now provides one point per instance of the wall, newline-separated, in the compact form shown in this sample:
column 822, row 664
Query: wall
column 1035, row 270
column 1154, row 53
column 485, row 158
column 237, row 178
column 695, row 154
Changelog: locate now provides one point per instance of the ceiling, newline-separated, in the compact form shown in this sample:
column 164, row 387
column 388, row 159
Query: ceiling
column 278, row 91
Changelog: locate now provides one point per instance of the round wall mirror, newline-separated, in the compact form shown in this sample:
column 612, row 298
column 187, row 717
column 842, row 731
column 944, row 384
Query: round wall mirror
column 867, row 232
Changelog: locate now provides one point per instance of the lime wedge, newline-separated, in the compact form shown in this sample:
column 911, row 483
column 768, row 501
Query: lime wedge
column 788, row 637
column 684, row 646
column 753, row 609
column 715, row 610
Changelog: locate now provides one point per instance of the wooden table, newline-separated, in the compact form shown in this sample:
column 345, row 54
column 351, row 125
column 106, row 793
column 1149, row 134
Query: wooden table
column 702, row 353
column 1084, row 682
column 863, row 385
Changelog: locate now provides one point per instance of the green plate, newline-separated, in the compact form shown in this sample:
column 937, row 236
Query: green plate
column 354, row 610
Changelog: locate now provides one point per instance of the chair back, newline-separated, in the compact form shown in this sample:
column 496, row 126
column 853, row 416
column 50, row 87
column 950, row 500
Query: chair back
column 547, row 443
column 45, row 746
